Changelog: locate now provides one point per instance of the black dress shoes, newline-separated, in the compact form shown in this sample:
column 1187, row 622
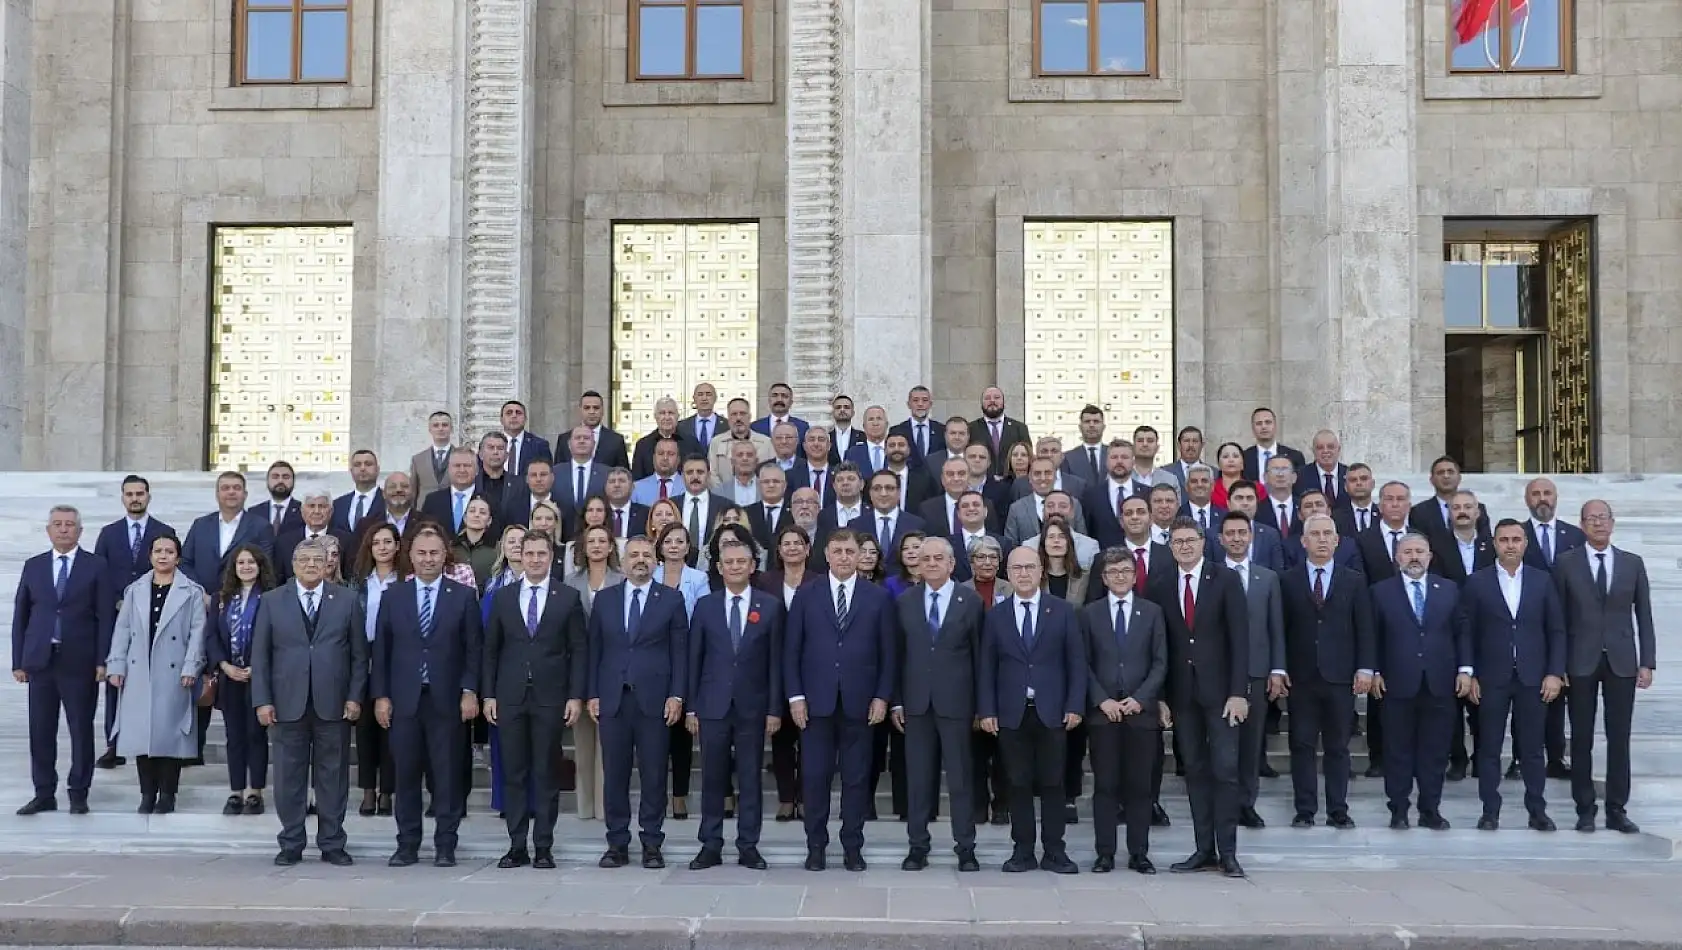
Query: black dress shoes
column 402, row 858
column 1433, row 821
column 1104, row 865
column 1250, row 819
column 78, row 806
column 109, row 760
column 1541, row 822
column 543, row 860
column 253, row 805
column 1618, row 821
column 1059, row 863
column 1341, row 821
column 1302, row 820
column 853, row 860
column 917, row 860
column 1456, row 772
column 1267, row 771
column 235, row 805
column 1141, row 864
column 1071, row 815
column 815, row 859
column 1512, row 771
column 1559, row 769
column 614, row 858
column 967, row 862
column 1021, row 862
column 339, row 858
column 39, row 804
column 444, row 858
column 1231, row 868
column 1585, row 823
column 708, row 858
column 1199, row 861
column 515, row 858
column 1159, row 817
column 288, row 858
column 148, row 805
column 1489, row 823
column 751, row 859
column 166, row 804
column 652, row 859
column 1399, row 819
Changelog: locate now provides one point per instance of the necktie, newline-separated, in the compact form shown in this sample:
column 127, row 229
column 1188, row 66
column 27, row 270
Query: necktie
column 736, row 621
column 771, row 514
column 361, row 509
column 578, row 492
column 994, row 425
column 279, row 512
column 426, row 613
column 1284, row 520
column 875, row 458
column 957, row 523
column 817, row 484
column 1139, row 569
column 1419, row 602
column 1547, row 543
column 665, row 487
column 1395, row 539
column 706, row 433
column 634, row 620
column 1028, row 624
column 514, row 454
column 1203, row 520
column 457, row 509
column 934, row 615
column 886, row 535
column 1361, row 513
column 531, row 614
column 1121, row 624
column 695, row 536
column 619, row 522
column 922, row 438
column 1266, row 456
column 1600, row 583
column 841, row 604
column 134, row 545
column 1319, row 587
column 1120, row 499
column 63, row 579
column 1092, row 453
column 438, row 459
column 309, row 605
column 1188, row 604
column 1326, row 478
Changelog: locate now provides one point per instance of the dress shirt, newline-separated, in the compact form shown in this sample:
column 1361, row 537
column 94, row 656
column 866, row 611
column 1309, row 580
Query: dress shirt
column 1512, row 585
column 920, row 435
column 1195, row 573
column 1121, row 491
column 1264, row 455
column 786, row 464
column 376, row 590
column 904, row 483
column 1207, row 522
column 773, row 514
column 319, row 592
column 836, row 586
column 1468, row 552
column 1329, row 567
column 459, row 497
column 892, row 517
column 366, row 499
column 580, row 472
column 745, row 495
column 620, row 518
column 400, row 522
column 706, row 427
column 528, row 590
column 843, row 439
column 878, row 453
column 1411, row 584
column 548, row 499
column 702, row 511
column 1159, row 535
column 421, row 587
column 630, row 590
column 1243, row 569
column 970, row 537
column 142, row 522
column 1039, row 508
column 514, row 446
column 1363, row 515
column 1033, row 605
column 1120, row 606
column 1448, row 519
column 1550, row 530
column 225, row 531
column 1320, row 476
column 1290, row 505
column 1595, row 562
column 1393, row 536
column 845, row 514
column 819, row 476
column 1134, row 550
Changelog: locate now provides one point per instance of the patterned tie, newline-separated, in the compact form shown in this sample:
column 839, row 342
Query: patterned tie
column 1203, row 520
column 531, row 614
column 736, row 621
column 1139, row 570
column 426, row 633
column 361, row 509
column 1547, row 544
column 1188, row 605
column 619, row 522
column 1419, row 602
column 841, row 604
column 1319, row 587
column 665, row 487
column 457, row 510
column 635, row 619
column 1028, row 624
column 134, row 545
column 309, row 605
column 934, row 614
column 1327, row 486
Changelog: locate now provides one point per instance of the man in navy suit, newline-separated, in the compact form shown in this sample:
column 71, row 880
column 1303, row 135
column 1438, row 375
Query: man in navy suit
column 126, row 545
column 838, row 668
column 1326, row 473
column 639, row 665
column 212, row 536
column 1424, row 664
column 705, row 424
column 1267, row 549
column 428, row 648
column 924, row 433
column 578, row 478
column 816, row 467
column 736, row 686
column 1264, row 425
column 610, row 449
column 317, row 508
column 364, row 505
column 1105, row 496
column 447, row 504
column 780, row 399
column 523, row 447
column 1314, row 502
column 1031, row 690
column 61, row 632
column 281, row 510
column 885, row 521
column 1434, row 516
column 1198, row 504
column 1518, row 663
column 1546, row 538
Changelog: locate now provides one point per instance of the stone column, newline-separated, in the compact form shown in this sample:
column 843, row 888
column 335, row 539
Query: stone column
column 815, row 343
column 418, row 249
column 16, row 28
column 887, row 186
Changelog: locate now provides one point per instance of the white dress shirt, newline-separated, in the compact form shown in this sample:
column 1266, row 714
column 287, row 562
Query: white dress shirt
column 1192, row 575
column 886, row 534
column 745, row 495
column 1512, row 586
column 1120, row 606
column 836, row 586
column 846, row 514
column 631, row 589
column 528, row 590
column 1033, row 605
column 1595, row 561
column 367, row 500
column 376, row 589
column 225, row 531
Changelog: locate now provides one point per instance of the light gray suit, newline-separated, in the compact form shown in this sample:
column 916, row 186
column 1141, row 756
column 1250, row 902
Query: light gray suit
column 1068, row 482
column 1023, row 521
column 308, row 676
column 1267, row 653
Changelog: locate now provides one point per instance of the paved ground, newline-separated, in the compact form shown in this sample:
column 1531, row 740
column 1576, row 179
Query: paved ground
column 244, row 901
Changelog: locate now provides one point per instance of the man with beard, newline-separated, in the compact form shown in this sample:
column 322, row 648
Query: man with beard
column 843, row 436
column 996, row 430
column 1546, row 538
column 781, row 399
column 281, row 509
column 126, row 545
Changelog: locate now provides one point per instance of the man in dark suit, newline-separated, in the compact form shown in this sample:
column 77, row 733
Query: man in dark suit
column 956, row 436
column 1330, row 654
column 849, row 504
column 1433, row 517
column 996, row 430
column 1467, row 547
column 665, row 427
column 628, row 518
column 538, row 487
column 1374, row 545
column 1127, row 646
column 364, row 504
column 1089, row 461
column 916, row 485
column 1378, row 543
column 938, row 632
column 972, row 527
column 780, row 399
column 579, row 477
column 1516, row 633
column 535, row 678
column 1031, row 690
column 1209, row 656
column 1608, row 610
column 771, row 512
column 1264, row 425
column 940, row 511
column 1546, row 538
column 523, row 447
column 869, row 452
column 698, row 504
column 1105, row 497
column 1310, row 503
column 736, row 688
column 1326, row 473
column 61, row 633
column 309, row 678
column 1150, row 559
column 702, row 426
column 816, row 467
column 639, row 665
column 609, row 445
column 281, row 509
column 428, row 649
column 1362, row 512
column 1280, row 512
column 924, row 433
column 1198, row 506
column 1424, row 663
column 212, row 536
column 885, row 521
column 447, row 504
column 1265, row 623
column 317, row 513
column 126, row 545
column 838, row 668
column 1267, row 548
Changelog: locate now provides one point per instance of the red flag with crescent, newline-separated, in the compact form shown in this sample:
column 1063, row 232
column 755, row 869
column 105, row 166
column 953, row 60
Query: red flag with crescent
column 1476, row 16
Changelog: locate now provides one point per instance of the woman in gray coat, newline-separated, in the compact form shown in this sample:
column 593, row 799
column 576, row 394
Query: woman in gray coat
column 157, row 653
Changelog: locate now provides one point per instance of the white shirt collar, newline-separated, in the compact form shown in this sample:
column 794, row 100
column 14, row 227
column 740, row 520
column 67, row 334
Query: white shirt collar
column 303, row 591
column 1196, row 570
column 1243, row 565
column 1125, row 602
column 527, row 586
column 423, row 585
column 836, row 584
column 939, row 590
column 228, row 522
column 141, row 521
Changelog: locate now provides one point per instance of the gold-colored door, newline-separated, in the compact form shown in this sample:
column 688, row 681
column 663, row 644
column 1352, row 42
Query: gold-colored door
column 685, row 311
column 1098, row 325
column 1570, row 357
column 280, row 347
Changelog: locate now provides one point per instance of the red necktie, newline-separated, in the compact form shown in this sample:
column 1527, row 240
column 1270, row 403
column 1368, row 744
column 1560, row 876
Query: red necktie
column 817, row 484
column 1189, row 606
column 1330, row 496
column 665, row 483
column 618, row 523
column 1139, row 570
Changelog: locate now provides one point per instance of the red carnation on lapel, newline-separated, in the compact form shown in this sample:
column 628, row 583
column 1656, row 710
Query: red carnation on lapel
column 753, row 616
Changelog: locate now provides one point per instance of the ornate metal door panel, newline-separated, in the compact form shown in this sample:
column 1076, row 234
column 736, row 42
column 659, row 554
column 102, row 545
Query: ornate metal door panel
column 1098, row 324
column 1571, row 360
column 281, row 347
column 685, row 311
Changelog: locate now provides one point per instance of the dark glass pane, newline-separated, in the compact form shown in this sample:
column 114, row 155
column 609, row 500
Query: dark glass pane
column 326, row 46
column 268, row 47
column 1121, row 37
column 1475, row 30
column 718, row 41
column 1536, row 36
column 660, row 37
column 1063, row 32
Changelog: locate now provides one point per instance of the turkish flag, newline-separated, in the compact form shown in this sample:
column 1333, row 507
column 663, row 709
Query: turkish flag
column 1476, row 16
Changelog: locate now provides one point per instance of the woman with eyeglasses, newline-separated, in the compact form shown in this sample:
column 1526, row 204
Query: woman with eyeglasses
column 992, row 801
column 233, row 614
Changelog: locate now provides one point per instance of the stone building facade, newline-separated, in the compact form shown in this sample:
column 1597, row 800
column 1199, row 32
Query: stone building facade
column 1266, row 209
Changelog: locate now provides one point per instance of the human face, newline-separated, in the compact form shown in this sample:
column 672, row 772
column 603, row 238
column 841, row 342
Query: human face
column 1049, row 448
column 333, row 567
column 513, row 418
column 316, row 512
column 597, row 545
column 977, row 461
column 806, row 504
column 513, row 546
column 935, row 563
column 1244, row 499
column 535, row 559
column 1119, row 577
column 1091, row 427
column 136, row 498
column 540, row 478
column 1235, row 539
column 64, row 530
column 1413, row 556
column 957, row 437
column 870, row 555
column 1596, row 519
column 464, row 468
column 1023, row 566
column 1056, row 541
column 792, row 550
column 1042, row 476
column 494, row 454
column 1316, row 504
column 639, row 560
column 735, row 565
column 365, row 470
column 1320, row 539
column 1540, row 496
column 972, row 512
column 1119, row 462
column 246, row 569
column 582, row 443
column 397, row 489
column 919, row 402
column 441, row 429
column 543, row 519
column 772, row 486
column 1186, row 544
column 740, row 417
column 1059, row 504
column 781, row 398
column 426, row 555
column 280, row 482
column 1358, row 483
column 1510, row 543
column 676, row 546
column 1136, row 518
column 230, row 494
column 590, row 410
column 659, row 516
column 875, row 424
column 1200, row 485
column 817, row 447
column 595, row 512
column 695, row 476
column 731, row 516
column 785, row 439
column 705, row 398
column 743, row 458
column 954, row 476
column 1231, row 461
column 1263, row 426
column 1191, row 445
column 1144, row 446
column 618, row 488
column 1393, row 504
column 843, row 557
column 665, row 418
column 911, row 555
column 985, row 564
column 841, row 410
column 1326, row 450
column 848, row 486
column 165, row 555
column 1464, row 510
column 1164, row 506
column 665, row 459
column 992, row 402
column 1280, row 477
column 1445, row 477
column 884, row 494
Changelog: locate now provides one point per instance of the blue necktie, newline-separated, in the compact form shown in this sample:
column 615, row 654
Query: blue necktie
column 361, row 511
column 578, row 493
column 736, row 621
column 425, row 630
column 457, row 511
column 1419, row 602
column 887, row 534
column 934, row 615
column 705, row 434
column 841, row 605
column 134, row 545
column 635, row 619
column 1028, row 624
column 1547, row 545
column 875, row 458
column 1121, row 625
column 59, row 585
column 531, row 614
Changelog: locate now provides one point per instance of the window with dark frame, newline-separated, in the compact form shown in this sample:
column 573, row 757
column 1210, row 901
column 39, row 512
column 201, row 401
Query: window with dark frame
column 291, row 42
column 1510, row 36
column 689, row 39
column 1094, row 38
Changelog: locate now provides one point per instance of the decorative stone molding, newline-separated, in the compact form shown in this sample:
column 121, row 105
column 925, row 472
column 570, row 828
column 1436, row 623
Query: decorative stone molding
column 1584, row 81
column 227, row 94
column 498, row 209
column 1165, row 86
column 816, row 354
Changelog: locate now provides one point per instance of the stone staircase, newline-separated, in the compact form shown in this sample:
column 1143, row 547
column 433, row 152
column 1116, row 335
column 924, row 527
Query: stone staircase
column 1647, row 524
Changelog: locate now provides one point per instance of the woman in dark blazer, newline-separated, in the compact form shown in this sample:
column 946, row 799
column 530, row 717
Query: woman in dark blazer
column 793, row 550
column 232, row 614
column 379, row 564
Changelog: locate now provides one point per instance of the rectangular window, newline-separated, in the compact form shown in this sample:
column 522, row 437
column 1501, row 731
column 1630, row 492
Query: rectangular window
column 689, row 39
column 1494, row 286
column 1095, row 37
column 1510, row 36
column 292, row 41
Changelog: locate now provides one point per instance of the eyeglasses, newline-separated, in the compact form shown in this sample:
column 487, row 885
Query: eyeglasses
column 1185, row 542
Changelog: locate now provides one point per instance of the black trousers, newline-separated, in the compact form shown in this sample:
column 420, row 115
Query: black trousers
column 1252, row 742
column 1376, row 731
column 1123, row 758
column 1321, row 716
column 112, row 695
column 428, row 742
column 530, row 738
column 887, row 754
column 1466, row 719
column 1525, row 705
column 204, row 714
column 831, row 744
column 248, row 740
column 933, row 744
column 158, row 775
column 785, row 762
column 375, row 770
column 991, row 788
column 682, row 756
column 1210, row 746
column 1419, row 728
column 1619, row 693
column 1033, row 755
column 1074, row 763
column 632, row 737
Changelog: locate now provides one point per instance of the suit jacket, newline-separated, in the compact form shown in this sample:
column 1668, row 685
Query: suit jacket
column 1619, row 624
column 343, row 510
column 293, row 517
column 440, row 507
column 1011, row 431
column 829, row 519
column 718, row 454
column 729, row 680
column 1268, row 513
column 870, row 523
column 762, row 425
column 516, row 507
column 424, row 474
column 1102, row 516
column 1309, row 477
column 1446, row 561
column 1266, row 620
column 800, row 476
column 547, row 668
column 288, row 542
column 642, row 457
column 1566, row 537
column 1266, row 547
column 202, row 560
column 837, row 451
column 686, row 429
column 1411, row 653
column 937, row 668
column 763, row 530
column 839, row 667
column 297, row 671
column 916, row 487
column 1135, row 667
column 652, row 660
column 1053, row 666
column 1214, row 515
column 219, row 636
column 1209, row 660
column 1503, row 647
column 114, row 546
column 1348, row 525
column 1023, row 521
column 933, row 511
column 1347, row 553
column 935, row 433
column 1072, row 485
column 595, row 482
column 1252, row 460
column 715, row 504
column 1334, row 639
column 610, row 449
column 635, row 520
column 532, row 446
column 452, row 656
column 1078, row 462
column 82, row 619
column 1427, row 518
column 1374, row 545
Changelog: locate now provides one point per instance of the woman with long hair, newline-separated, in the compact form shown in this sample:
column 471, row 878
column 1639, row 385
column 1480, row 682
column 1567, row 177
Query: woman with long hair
column 157, row 654
column 673, row 570
column 1064, row 576
column 505, row 570
column 708, row 559
column 1018, row 459
column 233, row 613
column 599, row 571
column 870, row 566
column 475, row 545
column 545, row 517
column 1229, row 468
column 794, row 551
column 335, row 563
column 379, row 564
column 594, row 514
column 907, row 560
column 738, row 532
column 662, row 513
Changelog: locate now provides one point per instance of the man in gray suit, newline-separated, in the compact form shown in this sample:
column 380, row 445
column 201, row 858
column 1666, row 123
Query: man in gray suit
column 1267, row 655
column 1028, row 514
column 1609, row 652
column 309, row 670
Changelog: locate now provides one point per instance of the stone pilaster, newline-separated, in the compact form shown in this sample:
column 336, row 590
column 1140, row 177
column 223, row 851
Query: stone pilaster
column 815, row 342
column 16, row 29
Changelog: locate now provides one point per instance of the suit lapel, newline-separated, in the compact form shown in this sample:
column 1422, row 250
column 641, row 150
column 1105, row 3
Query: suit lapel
column 177, row 598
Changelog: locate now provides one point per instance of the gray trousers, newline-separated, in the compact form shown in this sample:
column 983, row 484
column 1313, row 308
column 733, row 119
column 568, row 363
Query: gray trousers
column 311, row 751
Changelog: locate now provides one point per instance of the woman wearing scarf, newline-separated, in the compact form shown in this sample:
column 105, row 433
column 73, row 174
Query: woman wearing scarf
column 228, row 652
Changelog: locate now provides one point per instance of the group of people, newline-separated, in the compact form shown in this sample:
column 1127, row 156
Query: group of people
column 950, row 603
